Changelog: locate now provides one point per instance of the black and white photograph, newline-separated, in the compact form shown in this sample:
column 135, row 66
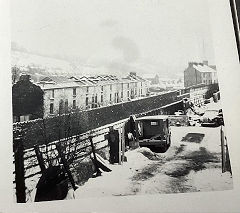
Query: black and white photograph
column 115, row 98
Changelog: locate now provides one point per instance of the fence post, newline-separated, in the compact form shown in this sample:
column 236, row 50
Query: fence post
column 66, row 167
column 94, row 156
column 19, row 170
column 123, row 142
column 120, row 147
column 222, row 150
column 40, row 158
column 228, row 164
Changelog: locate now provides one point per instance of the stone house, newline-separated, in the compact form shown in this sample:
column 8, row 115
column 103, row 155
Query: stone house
column 199, row 73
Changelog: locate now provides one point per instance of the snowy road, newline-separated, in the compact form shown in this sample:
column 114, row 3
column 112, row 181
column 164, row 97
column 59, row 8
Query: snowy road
column 191, row 164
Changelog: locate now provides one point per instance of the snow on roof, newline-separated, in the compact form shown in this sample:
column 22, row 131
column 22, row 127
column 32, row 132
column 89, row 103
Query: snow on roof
column 153, row 117
column 56, row 79
column 203, row 68
column 47, row 86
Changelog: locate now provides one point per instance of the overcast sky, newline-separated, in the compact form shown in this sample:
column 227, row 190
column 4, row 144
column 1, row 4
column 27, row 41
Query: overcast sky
column 161, row 35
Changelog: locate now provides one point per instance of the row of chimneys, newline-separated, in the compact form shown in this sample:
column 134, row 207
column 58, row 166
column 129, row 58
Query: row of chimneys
column 190, row 64
column 26, row 77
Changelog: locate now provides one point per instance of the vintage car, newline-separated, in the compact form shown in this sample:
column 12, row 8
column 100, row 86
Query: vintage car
column 154, row 132
column 212, row 118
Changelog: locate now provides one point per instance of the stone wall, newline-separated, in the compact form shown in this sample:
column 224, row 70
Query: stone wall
column 42, row 131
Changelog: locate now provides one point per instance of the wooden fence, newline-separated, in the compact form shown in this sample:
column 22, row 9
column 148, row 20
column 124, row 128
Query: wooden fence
column 75, row 148
column 226, row 165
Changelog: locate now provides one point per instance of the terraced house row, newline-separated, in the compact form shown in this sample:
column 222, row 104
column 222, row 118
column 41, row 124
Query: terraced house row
column 63, row 94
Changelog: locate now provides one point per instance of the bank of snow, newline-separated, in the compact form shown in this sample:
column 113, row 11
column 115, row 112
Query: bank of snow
column 116, row 182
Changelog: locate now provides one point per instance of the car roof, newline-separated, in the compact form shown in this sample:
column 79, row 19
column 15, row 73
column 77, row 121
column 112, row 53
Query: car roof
column 153, row 117
column 211, row 110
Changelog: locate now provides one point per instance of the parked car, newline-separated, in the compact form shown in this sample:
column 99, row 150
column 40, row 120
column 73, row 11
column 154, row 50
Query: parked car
column 212, row 118
column 154, row 132
column 179, row 112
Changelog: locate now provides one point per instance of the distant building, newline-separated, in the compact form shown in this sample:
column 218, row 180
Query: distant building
column 64, row 94
column 200, row 73
column 152, row 78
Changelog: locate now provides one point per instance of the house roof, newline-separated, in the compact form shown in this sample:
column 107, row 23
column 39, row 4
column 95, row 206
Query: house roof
column 54, row 82
column 153, row 117
column 55, row 79
column 203, row 68
column 47, row 86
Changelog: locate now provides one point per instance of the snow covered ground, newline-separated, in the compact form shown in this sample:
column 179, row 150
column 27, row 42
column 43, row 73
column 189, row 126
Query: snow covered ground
column 192, row 164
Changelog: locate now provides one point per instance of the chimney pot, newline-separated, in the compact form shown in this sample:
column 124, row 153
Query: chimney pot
column 205, row 62
column 133, row 73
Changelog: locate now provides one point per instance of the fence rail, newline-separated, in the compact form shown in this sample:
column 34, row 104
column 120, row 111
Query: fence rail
column 77, row 144
column 34, row 132
column 226, row 166
column 78, row 147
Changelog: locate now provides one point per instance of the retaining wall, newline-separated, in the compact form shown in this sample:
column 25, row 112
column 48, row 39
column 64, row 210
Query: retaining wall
column 43, row 131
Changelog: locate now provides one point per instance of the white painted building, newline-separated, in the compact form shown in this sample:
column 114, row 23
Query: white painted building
column 200, row 73
column 62, row 94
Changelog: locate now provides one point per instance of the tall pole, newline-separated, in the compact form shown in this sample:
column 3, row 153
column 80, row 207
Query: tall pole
column 19, row 171
column 222, row 150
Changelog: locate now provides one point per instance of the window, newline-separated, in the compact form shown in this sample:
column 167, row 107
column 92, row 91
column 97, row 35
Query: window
column 128, row 94
column 101, row 98
column 122, row 86
column 154, row 123
column 96, row 99
column 110, row 97
column 61, row 106
column 86, row 101
column 52, row 93
column 111, row 87
column 24, row 118
column 74, row 91
column 87, row 89
column 93, row 104
column 74, row 104
column 122, row 94
column 116, row 97
column 66, row 106
column 51, row 108
column 128, row 85
column 102, row 88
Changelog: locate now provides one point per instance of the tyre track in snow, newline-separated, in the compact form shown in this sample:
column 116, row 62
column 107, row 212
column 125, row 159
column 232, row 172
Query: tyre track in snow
column 173, row 169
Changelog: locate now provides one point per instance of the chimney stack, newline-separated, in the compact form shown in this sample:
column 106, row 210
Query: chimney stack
column 133, row 73
column 205, row 62
column 190, row 64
